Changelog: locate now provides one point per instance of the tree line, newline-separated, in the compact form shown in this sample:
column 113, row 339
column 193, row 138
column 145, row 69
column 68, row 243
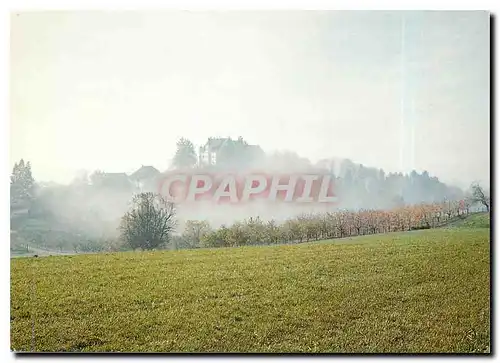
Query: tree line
column 48, row 217
column 320, row 226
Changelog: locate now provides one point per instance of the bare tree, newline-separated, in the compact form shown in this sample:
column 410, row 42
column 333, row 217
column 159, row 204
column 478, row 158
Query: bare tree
column 341, row 223
column 149, row 223
column 479, row 195
column 272, row 232
column 194, row 231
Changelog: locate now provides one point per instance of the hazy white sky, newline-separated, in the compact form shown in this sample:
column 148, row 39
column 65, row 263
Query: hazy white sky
column 114, row 90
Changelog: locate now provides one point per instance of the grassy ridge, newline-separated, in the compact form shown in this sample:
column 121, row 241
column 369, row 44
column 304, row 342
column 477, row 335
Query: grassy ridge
column 425, row 291
column 476, row 220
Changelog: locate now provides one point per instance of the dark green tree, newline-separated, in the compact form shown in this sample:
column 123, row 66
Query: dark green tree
column 185, row 155
column 234, row 153
column 22, row 184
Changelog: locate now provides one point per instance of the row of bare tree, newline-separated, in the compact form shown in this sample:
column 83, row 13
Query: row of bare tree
column 313, row 227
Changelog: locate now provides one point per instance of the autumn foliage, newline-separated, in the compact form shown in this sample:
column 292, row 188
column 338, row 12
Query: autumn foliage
column 339, row 224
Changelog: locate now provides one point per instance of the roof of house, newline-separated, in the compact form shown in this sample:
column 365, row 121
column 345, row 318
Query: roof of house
column 216, row 143
column 145, row 172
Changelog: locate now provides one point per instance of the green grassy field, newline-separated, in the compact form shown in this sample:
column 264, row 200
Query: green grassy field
column 476, row 220
column 422, row 291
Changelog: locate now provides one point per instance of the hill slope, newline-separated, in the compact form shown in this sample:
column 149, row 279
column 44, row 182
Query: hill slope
column 476, row 220
column 424, row 291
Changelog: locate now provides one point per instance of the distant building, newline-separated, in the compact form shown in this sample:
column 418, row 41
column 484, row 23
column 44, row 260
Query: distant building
column 209, row 154
column 144, row 178
column 145, row 172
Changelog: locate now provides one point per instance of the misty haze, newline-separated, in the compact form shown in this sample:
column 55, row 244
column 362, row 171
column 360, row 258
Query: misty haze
column 390, row 108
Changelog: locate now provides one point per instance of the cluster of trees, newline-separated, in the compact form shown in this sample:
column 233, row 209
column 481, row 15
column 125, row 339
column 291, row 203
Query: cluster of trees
column 150, row 224
column 313, row 227
column 231, row 153
column 66, row 218
column 359, row 186
column 86, row 216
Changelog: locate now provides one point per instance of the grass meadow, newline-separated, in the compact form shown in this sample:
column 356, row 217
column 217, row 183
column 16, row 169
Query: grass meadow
column 414, row 292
